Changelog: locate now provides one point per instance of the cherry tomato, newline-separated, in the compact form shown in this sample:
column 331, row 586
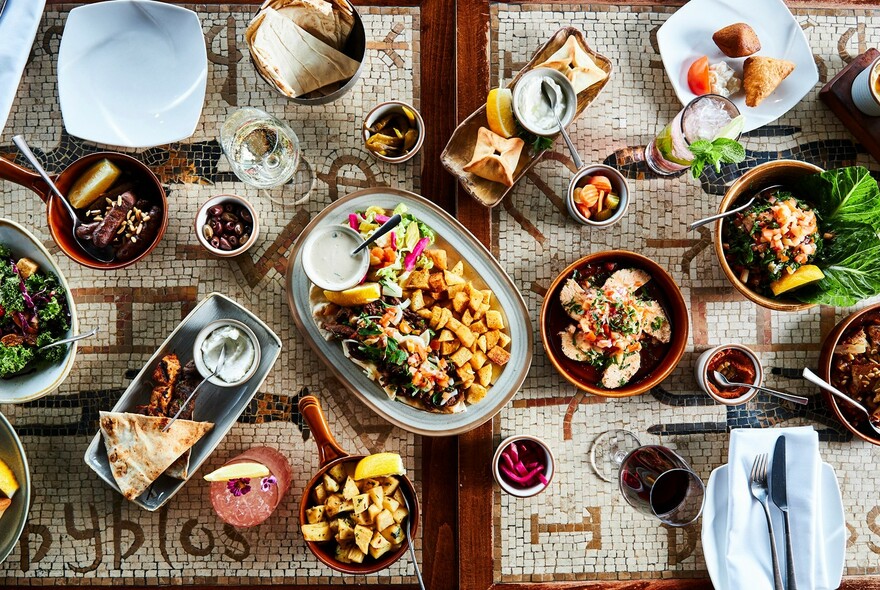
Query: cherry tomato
column 698, row 76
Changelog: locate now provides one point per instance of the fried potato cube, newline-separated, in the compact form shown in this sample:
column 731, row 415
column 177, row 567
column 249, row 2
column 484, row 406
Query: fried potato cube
column 482, row 344
column 460, row 301
column 445, row 318
column 475, row 298
column 374, row 511
column 400, row 514
column 445, row 336
column 492, row 337
column 461, row 356
column 453, row 278
column 384, row 520
column 379, row 546
column 390, row 504
column 361, row 502
column 362, row 537
column 498, row 355
column 363, row 518
column 418, row 279
column 330, row 484
column 317, row 532
column 337, row 472
column 466, row 374
column 335, row 504
column 487, row 296
column 320, row 493
column 475, row 393
column 438, row 257
column 391, row 485
column 436, row 312
column 355, row 555
column 503, row 339
column 453, row 290
column 494, row 320
column 346, row 530
column 479, row 327
column 458, row 269
column 370, row 483
column 416, row 300
column 478, row 360
column 377, row 494
column 453, row 324
column 429, row 299
column 315, row 514
column 425, row 314
column 466, row 318
column 26, row 267
column 484, row 375
column 465, row 335
column 394, row 534
column 448, row 348
column 436, row 282
column 351, row 489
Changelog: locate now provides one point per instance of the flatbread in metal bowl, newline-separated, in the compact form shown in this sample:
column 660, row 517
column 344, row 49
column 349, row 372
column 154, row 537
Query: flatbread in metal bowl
column 138, row 450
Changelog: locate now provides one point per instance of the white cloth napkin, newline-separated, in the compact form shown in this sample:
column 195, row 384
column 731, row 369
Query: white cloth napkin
column 18, row 26
column 749, row 565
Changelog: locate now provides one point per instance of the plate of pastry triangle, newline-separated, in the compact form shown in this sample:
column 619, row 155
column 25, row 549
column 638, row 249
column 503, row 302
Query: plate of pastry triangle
column 153, row 440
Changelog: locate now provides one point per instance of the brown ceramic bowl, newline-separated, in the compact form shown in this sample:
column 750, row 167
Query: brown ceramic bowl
column 554, row 319
column 758, row 179
column 329, row 455
column 60, row 225
column 853, row 320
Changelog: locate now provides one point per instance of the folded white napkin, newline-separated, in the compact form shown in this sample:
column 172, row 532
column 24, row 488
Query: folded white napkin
column 18, row 26
column 749, row 565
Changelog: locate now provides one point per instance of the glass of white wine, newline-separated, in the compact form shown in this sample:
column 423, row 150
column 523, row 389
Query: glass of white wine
column 263, row 151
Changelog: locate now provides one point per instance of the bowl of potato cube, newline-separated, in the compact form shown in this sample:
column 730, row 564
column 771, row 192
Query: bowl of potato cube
column 359, row 511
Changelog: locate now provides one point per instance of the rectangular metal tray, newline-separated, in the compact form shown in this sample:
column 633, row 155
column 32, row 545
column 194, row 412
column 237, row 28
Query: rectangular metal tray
column 222, row 406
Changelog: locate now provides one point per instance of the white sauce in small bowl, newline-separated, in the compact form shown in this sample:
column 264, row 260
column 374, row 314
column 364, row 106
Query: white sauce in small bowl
column 327, row 258
column 240, row 353
column 533, row 106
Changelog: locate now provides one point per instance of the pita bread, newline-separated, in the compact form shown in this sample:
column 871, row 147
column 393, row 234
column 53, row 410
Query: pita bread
column 495, row 158
column 294, row 60
column 576, row 64
column 762, row 76
column 139, row 451
column 4, row 504
column 318, row 18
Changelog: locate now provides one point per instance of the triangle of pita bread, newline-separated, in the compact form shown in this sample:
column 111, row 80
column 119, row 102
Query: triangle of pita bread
column 495, row 158
column 139, row 451
column 763, row 75
column 576, row 64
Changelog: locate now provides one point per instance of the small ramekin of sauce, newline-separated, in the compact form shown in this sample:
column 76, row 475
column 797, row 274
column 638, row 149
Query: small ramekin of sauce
column 736, row 362
column 328, row 259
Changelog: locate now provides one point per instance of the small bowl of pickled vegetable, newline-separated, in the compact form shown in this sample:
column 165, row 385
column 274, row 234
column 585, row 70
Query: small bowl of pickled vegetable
column 598, row 195
column 393, row 132
column 523, row 466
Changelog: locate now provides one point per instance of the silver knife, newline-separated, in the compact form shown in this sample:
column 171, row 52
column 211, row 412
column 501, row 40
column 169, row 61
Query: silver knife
column 2, row 5
column 780, row 497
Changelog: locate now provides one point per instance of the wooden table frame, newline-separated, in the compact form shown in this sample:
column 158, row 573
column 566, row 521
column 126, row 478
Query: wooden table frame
column 458, row 541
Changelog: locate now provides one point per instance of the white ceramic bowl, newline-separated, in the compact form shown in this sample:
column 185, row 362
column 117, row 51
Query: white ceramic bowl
column 567, row 91
column 618, row 184
column 132, row 73
column 314, row 240
column 46, row 378
column 200, row 362
column 386, row 108
column 864, row 95
column 702, row 375
column 202, row 219
column 523, row 492
column 15, row 517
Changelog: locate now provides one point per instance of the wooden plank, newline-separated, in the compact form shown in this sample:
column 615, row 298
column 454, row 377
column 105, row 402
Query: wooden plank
column 837, row 94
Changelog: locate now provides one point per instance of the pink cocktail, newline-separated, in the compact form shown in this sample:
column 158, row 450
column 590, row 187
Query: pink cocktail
column 247, row 502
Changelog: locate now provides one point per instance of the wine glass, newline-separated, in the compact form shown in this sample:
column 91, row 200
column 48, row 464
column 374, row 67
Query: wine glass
column 657, row 481
column 263, row 151
column 609, row 450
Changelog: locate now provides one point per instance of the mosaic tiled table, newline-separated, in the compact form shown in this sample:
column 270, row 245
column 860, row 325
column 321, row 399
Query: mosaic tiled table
column 578, row 533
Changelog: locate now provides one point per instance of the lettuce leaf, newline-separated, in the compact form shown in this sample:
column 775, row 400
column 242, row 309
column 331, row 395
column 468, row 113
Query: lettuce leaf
column 843, row 196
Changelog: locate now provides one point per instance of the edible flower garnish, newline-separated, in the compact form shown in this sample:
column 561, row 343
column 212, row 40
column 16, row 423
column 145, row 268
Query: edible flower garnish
column 267, row 482
column 239, row 487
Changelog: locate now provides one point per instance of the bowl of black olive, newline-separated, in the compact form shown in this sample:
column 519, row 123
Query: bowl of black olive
column 226, row 225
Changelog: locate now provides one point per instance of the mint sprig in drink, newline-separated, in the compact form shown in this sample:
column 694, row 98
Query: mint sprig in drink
column 706, row 118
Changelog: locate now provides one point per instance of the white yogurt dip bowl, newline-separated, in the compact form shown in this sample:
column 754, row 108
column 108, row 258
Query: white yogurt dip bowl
column 246, row 364
column 327, row 257
column 532, row 110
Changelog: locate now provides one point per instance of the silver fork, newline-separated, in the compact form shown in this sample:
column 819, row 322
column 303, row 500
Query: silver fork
column 758, row 486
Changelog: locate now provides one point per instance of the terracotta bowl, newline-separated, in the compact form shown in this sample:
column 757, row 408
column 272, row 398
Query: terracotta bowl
column 552, row 314
column 757, row 179
column 853, row 320
column 60, row 224
column 329, row 455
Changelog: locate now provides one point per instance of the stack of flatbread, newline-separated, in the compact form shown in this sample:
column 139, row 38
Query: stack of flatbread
column 138, row 450
column 297, row 45
column 576, row 64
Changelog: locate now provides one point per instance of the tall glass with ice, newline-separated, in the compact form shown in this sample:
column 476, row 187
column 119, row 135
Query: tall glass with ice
column 248, row 501
column 707, row 117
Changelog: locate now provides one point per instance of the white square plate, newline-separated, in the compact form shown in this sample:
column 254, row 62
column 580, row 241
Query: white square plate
column 132, row 73
column 687, row 35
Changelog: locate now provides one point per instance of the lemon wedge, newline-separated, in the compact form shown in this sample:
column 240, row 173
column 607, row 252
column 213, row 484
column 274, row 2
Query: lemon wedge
column 8, row 483
column 379, row 465
column 360, row 295
column 499, row 112
column 238, row 471
column 808, row 273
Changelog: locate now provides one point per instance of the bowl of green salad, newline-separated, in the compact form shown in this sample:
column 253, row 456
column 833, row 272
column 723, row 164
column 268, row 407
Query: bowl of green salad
column 36, row 309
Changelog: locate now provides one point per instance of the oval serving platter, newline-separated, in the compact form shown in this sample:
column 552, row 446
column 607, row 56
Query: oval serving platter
column 463, row 245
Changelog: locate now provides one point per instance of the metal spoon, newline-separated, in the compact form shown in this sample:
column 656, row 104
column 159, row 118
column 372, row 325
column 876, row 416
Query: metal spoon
column 220, row 363
column 723, row 382
column 88, row 334
column 383, row 229
column 708, row 220
column 550, row 95
column 412, row 549
column 814, row 378
column 99, row 254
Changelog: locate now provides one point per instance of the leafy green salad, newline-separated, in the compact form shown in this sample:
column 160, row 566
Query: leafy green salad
column 33, row 313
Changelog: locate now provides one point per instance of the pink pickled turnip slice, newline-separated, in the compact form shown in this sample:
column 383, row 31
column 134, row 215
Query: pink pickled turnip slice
column 394, row 240
column 382, row 218
column 409, row 262
column 524, row 480
column 353, row 221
